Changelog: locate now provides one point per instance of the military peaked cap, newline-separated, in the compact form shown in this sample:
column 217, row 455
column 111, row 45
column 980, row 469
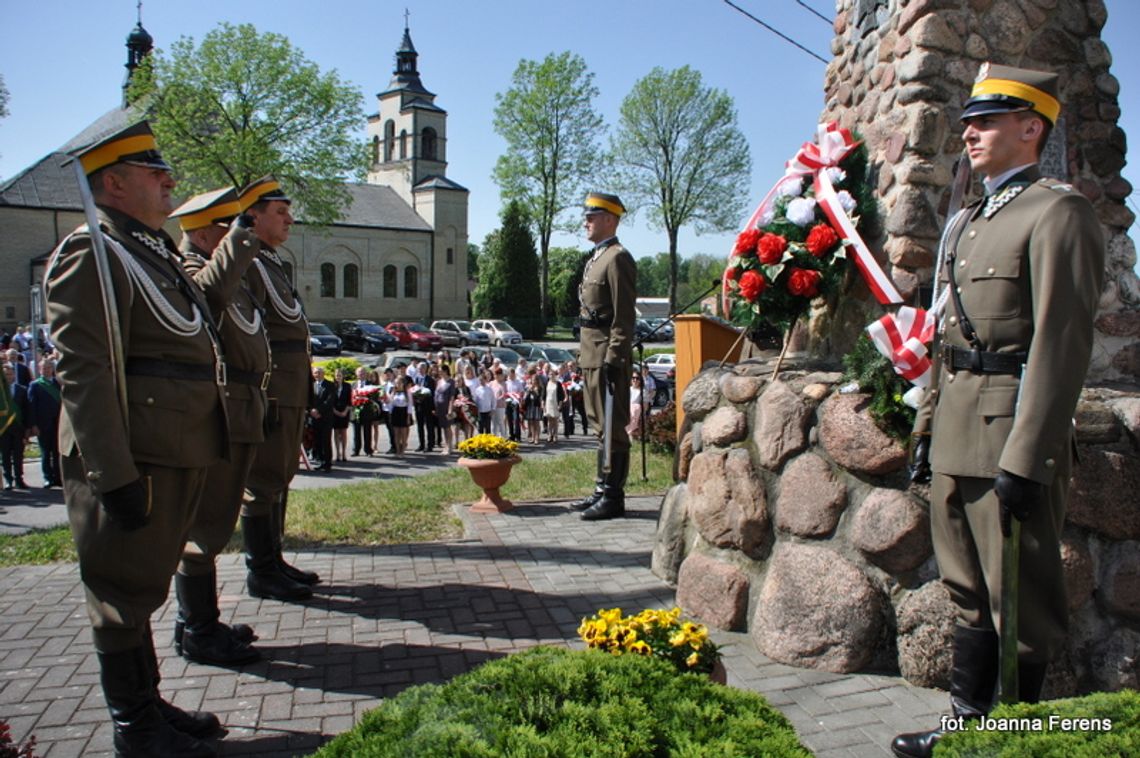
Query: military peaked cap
column 1005, row 89
column 596, row 202
column 218, row 206
column 134, row 145
column 265, row 188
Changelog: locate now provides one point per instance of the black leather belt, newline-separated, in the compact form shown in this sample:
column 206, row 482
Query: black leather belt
column 198, row 372
column 249, row 378
column 289, row 346
column 594, row 323
column 982, row 361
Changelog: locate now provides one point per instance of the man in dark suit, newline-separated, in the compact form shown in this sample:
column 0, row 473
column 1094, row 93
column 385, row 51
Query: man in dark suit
column 321, row 419
column 364, row 416
column 13, row 438
column 44, row 400
column 425, row 409
column 1023, row 271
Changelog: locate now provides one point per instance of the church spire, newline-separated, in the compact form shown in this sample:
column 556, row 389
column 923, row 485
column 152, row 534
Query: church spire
column 139, row 46
column 406, row 77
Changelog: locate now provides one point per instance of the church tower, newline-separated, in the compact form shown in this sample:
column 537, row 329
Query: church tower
column 139, row 46
column 408, row 136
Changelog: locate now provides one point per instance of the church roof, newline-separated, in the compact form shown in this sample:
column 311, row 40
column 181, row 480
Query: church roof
column 50, row 183
column 438, row 182
column 379, row 206
column 422, row 104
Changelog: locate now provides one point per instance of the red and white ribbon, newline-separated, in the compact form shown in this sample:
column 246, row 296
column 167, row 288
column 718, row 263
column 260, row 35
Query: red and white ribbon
column 832, row 145
column 902, row 338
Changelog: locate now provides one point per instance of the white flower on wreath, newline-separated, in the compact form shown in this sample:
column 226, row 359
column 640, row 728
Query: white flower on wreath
column 849, row 204
column 791, row 186
column 836, row 174
column 767, row 216
column 801, row 211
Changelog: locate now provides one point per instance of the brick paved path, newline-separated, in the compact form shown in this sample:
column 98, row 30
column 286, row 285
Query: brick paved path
column 390, row 617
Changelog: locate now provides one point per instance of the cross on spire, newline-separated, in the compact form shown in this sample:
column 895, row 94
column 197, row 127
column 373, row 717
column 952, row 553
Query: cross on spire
column 407, row 13
column 138, row 8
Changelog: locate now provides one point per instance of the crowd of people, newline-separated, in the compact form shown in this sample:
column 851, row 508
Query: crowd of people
column 447, row 399
column 32, row 406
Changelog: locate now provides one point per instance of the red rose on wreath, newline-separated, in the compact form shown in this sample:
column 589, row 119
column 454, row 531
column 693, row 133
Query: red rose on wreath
column 820, row 240
column 752, row 285
column 746, row 242
column 771, row 248
column 803, row 282
column 730, row 274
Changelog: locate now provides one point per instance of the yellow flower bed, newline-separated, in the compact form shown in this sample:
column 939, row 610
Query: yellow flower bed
column 658, row 633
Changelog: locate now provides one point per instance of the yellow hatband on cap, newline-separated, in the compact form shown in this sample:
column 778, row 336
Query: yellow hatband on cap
column 598, row 201
column 206, row 209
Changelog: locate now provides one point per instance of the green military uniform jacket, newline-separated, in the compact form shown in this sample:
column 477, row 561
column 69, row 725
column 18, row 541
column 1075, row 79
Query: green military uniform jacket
column 222, row 276
column 1029, row 274
column 288, row 329
column 608, row 296
column 163, row 317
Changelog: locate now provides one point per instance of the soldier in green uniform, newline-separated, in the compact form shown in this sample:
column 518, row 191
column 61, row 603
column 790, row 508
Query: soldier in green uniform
column 1022, row 271
column 141, row 377
column 608, row 295
column 277, row 458
column 218, row 257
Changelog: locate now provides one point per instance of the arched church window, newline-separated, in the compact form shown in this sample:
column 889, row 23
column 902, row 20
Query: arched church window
column 411, row 281
column 403, row 143
column 376, row 148
column 351, row 280
column 389, row 139
column 428, row 144
column 389, row 281
column 328, row 280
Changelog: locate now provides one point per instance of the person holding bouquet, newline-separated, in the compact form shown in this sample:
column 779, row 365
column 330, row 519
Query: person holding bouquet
column 364, row 412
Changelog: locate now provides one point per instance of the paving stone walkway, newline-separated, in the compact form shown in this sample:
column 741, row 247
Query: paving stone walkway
column 389, row 617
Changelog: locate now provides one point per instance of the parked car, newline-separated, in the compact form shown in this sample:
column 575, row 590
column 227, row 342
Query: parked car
column 413, row 334
column 365, row 336
column 641, row 329
column 554, row 355
column 662, row 366
column 322, row 340
column 499, row 332
column 459, row 333
column 664, row 329
column 395, row 358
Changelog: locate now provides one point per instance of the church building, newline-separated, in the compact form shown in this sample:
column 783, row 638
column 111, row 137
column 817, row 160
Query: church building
column 398, row 252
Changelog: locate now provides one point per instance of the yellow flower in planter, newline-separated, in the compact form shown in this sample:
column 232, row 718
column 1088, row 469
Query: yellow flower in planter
column 488, row 446
column 657, row 633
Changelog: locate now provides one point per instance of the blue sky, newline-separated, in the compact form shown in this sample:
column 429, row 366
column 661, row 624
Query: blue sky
column 62, row 61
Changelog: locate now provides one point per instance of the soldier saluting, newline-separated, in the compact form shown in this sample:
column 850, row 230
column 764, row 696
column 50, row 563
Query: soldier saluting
column 608, row 295
column 141, row 377
column 1023, row 271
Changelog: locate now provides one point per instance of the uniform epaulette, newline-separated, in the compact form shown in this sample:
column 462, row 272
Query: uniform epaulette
column 1055, row 184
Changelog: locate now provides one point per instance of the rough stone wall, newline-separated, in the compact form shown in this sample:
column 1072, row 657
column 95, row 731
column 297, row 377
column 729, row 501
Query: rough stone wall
column 900, row 73
column 794, row 520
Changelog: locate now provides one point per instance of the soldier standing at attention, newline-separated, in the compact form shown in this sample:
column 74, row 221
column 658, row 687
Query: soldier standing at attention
column 1023, row 269
column 218, row 258
column 141, row 379
column 608, row 294
column 277, row 459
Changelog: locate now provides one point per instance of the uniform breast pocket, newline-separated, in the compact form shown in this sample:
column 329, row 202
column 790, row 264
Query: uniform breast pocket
column 157, row 427
column 995, row 289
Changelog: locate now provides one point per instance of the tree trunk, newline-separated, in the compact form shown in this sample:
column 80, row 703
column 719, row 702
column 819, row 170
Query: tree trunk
column 672, row 269
column 544, row 279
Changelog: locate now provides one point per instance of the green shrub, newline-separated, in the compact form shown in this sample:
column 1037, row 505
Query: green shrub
column 349, row 365
column 660, row 430
column 561, row 704
column 1113, row 729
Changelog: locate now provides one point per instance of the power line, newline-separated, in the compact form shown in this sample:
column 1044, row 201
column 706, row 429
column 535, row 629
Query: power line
column 813, row 11
column 777, row 32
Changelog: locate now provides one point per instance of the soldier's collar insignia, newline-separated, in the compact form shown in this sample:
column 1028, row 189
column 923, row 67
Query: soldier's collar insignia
column 999, row 200
column 272, row 255
column 152, row 242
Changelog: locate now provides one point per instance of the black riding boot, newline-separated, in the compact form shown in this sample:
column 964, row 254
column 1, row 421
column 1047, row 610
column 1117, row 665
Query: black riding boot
column 599, row 486
column 972, row 682
column 204, row 638
column 200, row 724
column 1030, row 680
column 265, row 578
column 292, row 572
column 612, row 502
column 142, row 730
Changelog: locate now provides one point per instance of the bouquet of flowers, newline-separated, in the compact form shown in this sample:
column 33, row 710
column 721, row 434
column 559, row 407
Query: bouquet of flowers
column 795, row 246
column 365, row 403
column 488, row 446
column 660, row 633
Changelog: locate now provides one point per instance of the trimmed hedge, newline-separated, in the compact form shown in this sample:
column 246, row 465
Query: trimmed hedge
column 560, row 703
column 1110, row 727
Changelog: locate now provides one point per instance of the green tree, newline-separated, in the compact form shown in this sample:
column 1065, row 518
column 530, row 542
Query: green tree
column 3, row 98
column 682, row 156
column 653, row 275
column 472, row 261
column 697, row 273
column 548, row 120
column 508, row 273
column 566, row 264
column 244, row 104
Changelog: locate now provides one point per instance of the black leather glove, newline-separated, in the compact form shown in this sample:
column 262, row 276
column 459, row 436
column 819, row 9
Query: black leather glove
column 244, row 221
column 919, row 459
column 129, row 505
column 1017, row 497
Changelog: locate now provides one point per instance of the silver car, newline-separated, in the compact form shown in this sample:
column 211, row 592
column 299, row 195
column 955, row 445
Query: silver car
column 499, row 332
column 459, row 333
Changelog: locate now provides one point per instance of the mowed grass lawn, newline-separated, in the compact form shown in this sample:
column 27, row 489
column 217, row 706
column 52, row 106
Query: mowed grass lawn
column 390, row 511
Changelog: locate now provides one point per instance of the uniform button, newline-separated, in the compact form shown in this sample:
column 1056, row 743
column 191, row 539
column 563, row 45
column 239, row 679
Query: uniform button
column 959, row 290
column 227, row 393
column 951, row 377
column 94, row 476
column 962, row 264
column 953, row 321
column 973, row 233
column 150, row 401
column 991, row 270
column 1050, row 463
column 934, row 393
column 274, row 365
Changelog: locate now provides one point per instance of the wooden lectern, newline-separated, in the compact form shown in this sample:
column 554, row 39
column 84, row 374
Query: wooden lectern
column 699, row 339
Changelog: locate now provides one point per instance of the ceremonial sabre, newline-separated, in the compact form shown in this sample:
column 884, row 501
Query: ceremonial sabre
column 1010, row 571
column 107, row 287
column 608, row 427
